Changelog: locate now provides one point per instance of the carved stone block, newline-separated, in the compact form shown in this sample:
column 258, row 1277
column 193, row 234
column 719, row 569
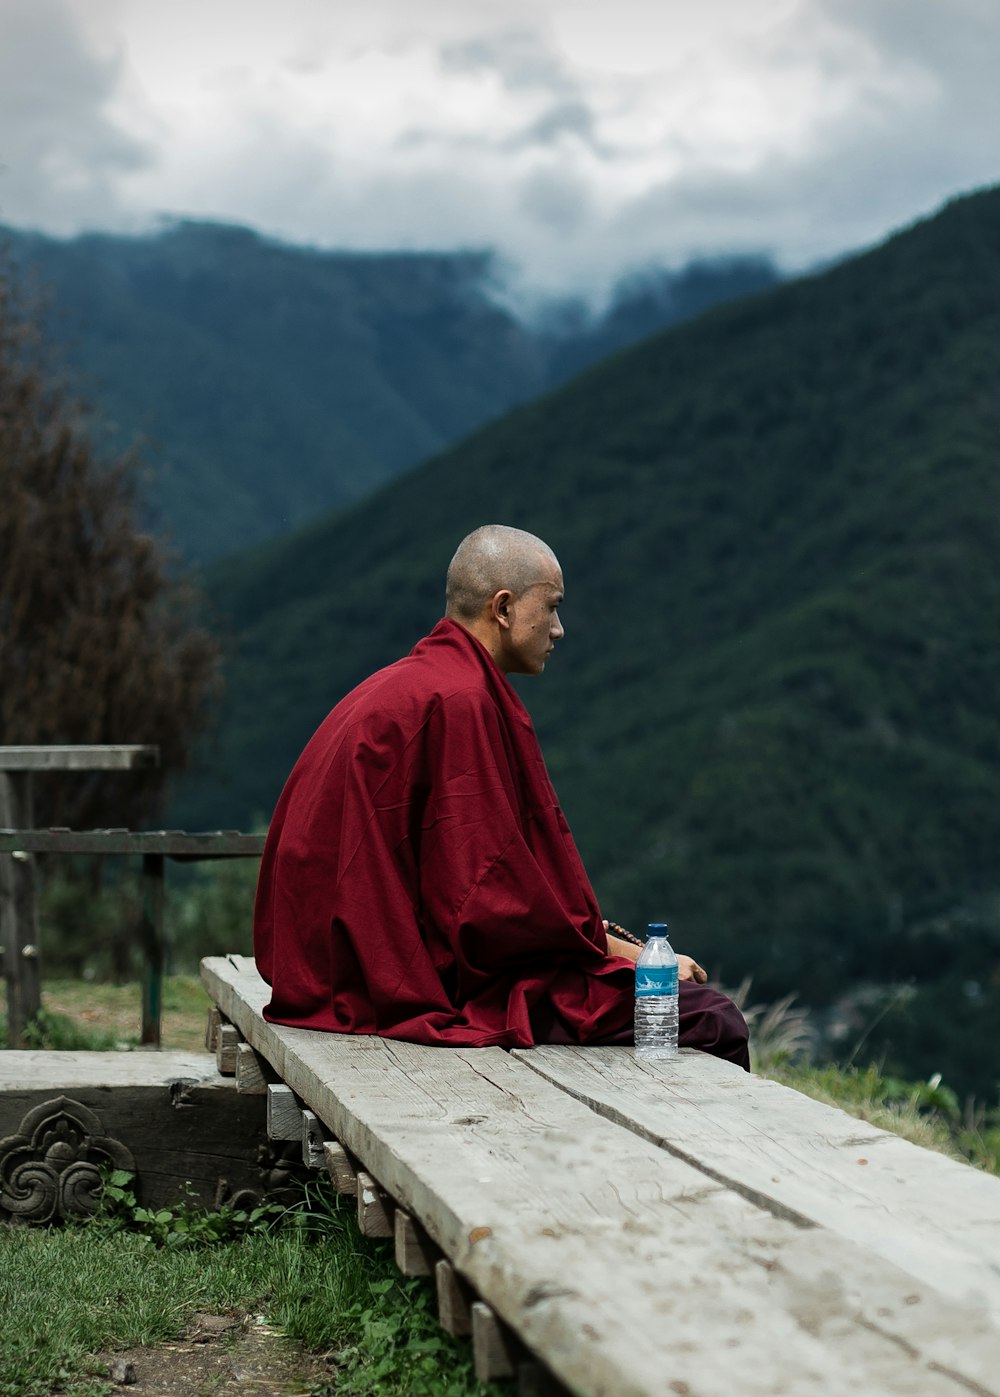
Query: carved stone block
column 168, row 1118
column 51, row 1168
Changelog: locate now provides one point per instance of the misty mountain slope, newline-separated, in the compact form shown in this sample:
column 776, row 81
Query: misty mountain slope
column 269, row 383
column 773, row 719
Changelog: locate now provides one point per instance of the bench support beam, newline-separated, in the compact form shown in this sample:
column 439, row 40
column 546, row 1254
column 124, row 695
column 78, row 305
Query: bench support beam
column 416, row 1254
column 374, row 1208
column 341, row 1168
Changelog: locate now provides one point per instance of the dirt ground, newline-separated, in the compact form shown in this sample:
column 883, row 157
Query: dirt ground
column 219, row 1356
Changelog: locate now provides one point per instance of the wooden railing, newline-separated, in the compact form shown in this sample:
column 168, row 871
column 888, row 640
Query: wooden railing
column 20, row 842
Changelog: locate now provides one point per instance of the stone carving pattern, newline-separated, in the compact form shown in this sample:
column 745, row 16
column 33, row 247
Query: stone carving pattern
column 52, row 1167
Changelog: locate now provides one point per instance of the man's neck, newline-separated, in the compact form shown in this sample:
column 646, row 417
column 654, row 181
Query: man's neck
column 483, row 631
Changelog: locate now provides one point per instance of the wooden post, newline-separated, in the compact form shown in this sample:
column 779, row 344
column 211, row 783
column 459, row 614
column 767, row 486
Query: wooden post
column 340, row 1167
column 494, row 1346
column 312, row 1140
column 251, row 1071
column 454, row 1298
column 18, row 913
column 212, row 1027
column 227, row 1046
column 416, row 1254
column 284, row 1117
column 374, row 1208
column 151, row 935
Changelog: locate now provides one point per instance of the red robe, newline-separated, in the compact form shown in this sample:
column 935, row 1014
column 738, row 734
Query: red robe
column 419, row 879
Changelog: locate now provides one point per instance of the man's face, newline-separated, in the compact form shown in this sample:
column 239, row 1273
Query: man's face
column 534, row 625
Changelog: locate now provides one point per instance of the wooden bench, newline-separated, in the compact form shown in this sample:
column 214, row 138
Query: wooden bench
column 643, row 1228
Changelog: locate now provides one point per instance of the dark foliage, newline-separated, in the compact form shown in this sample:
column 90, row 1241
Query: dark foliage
column 97, row 642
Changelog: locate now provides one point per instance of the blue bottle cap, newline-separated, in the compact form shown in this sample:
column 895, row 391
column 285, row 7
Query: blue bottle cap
column 657, row 929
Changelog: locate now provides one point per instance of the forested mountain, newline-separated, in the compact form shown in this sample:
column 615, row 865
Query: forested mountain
column 269, row 383
column 774, row 717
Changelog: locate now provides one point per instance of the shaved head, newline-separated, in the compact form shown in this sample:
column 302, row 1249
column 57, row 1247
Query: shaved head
column 492, row 559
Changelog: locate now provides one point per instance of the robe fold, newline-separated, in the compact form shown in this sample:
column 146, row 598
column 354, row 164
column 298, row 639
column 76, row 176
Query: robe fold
column 419, row 880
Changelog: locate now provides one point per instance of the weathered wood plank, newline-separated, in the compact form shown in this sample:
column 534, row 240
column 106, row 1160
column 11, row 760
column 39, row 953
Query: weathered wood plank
column 494, row 1347
column 284, row 1115
column 374, row 1208
column 341, row 1168
column 92, row 757
column 568, row 1225
column 227, row 1044
column 454, row 1297
column 313, row 1156
column 416, row 1254
column 170, row 843
column 50, row 1070
column 936, row 1217
column 212, row 1024
column 251, row 1076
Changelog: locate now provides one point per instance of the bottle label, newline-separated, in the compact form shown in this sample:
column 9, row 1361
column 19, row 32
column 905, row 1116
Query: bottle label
column 660, row 979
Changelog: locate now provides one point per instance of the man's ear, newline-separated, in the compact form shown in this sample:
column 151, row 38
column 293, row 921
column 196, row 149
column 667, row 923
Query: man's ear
column 500, row 608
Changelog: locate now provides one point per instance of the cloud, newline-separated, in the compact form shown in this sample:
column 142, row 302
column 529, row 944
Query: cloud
column 62, row 150
column 573, row 120
column 521, row 58
column 581, row 138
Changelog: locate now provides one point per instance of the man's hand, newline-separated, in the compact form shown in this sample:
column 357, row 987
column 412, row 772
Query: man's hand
column 687, row 967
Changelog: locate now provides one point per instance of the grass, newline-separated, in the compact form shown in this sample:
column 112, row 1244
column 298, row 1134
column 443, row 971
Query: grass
column 81, row 1014
column 69, row 1293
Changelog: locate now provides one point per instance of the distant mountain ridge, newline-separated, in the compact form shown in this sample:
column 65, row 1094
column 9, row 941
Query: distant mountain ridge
column 271, row 383
column 773, row 720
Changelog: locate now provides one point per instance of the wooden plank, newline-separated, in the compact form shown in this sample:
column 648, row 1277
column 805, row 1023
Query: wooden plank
column 936, row 1217
column 313, row 1156
column 212, row 1025
column 284, row 1115
column 175, row 844
column 568, row 1225
column 92, row 757
column 374, row 1208
column 227, row 1044
column 494, row 1347
column 454, row 1297
column 251, row 1076
column 341, row 1168
column 50, row 1070
column 416, row 1254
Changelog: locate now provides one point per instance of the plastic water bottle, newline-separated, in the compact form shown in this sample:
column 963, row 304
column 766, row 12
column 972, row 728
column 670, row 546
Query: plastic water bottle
column 656, row 996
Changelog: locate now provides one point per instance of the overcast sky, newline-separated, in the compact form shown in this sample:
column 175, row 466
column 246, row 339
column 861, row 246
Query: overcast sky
column 581, row 138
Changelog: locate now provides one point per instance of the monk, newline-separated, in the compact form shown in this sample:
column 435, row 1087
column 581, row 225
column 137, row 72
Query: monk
column 419, row 879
